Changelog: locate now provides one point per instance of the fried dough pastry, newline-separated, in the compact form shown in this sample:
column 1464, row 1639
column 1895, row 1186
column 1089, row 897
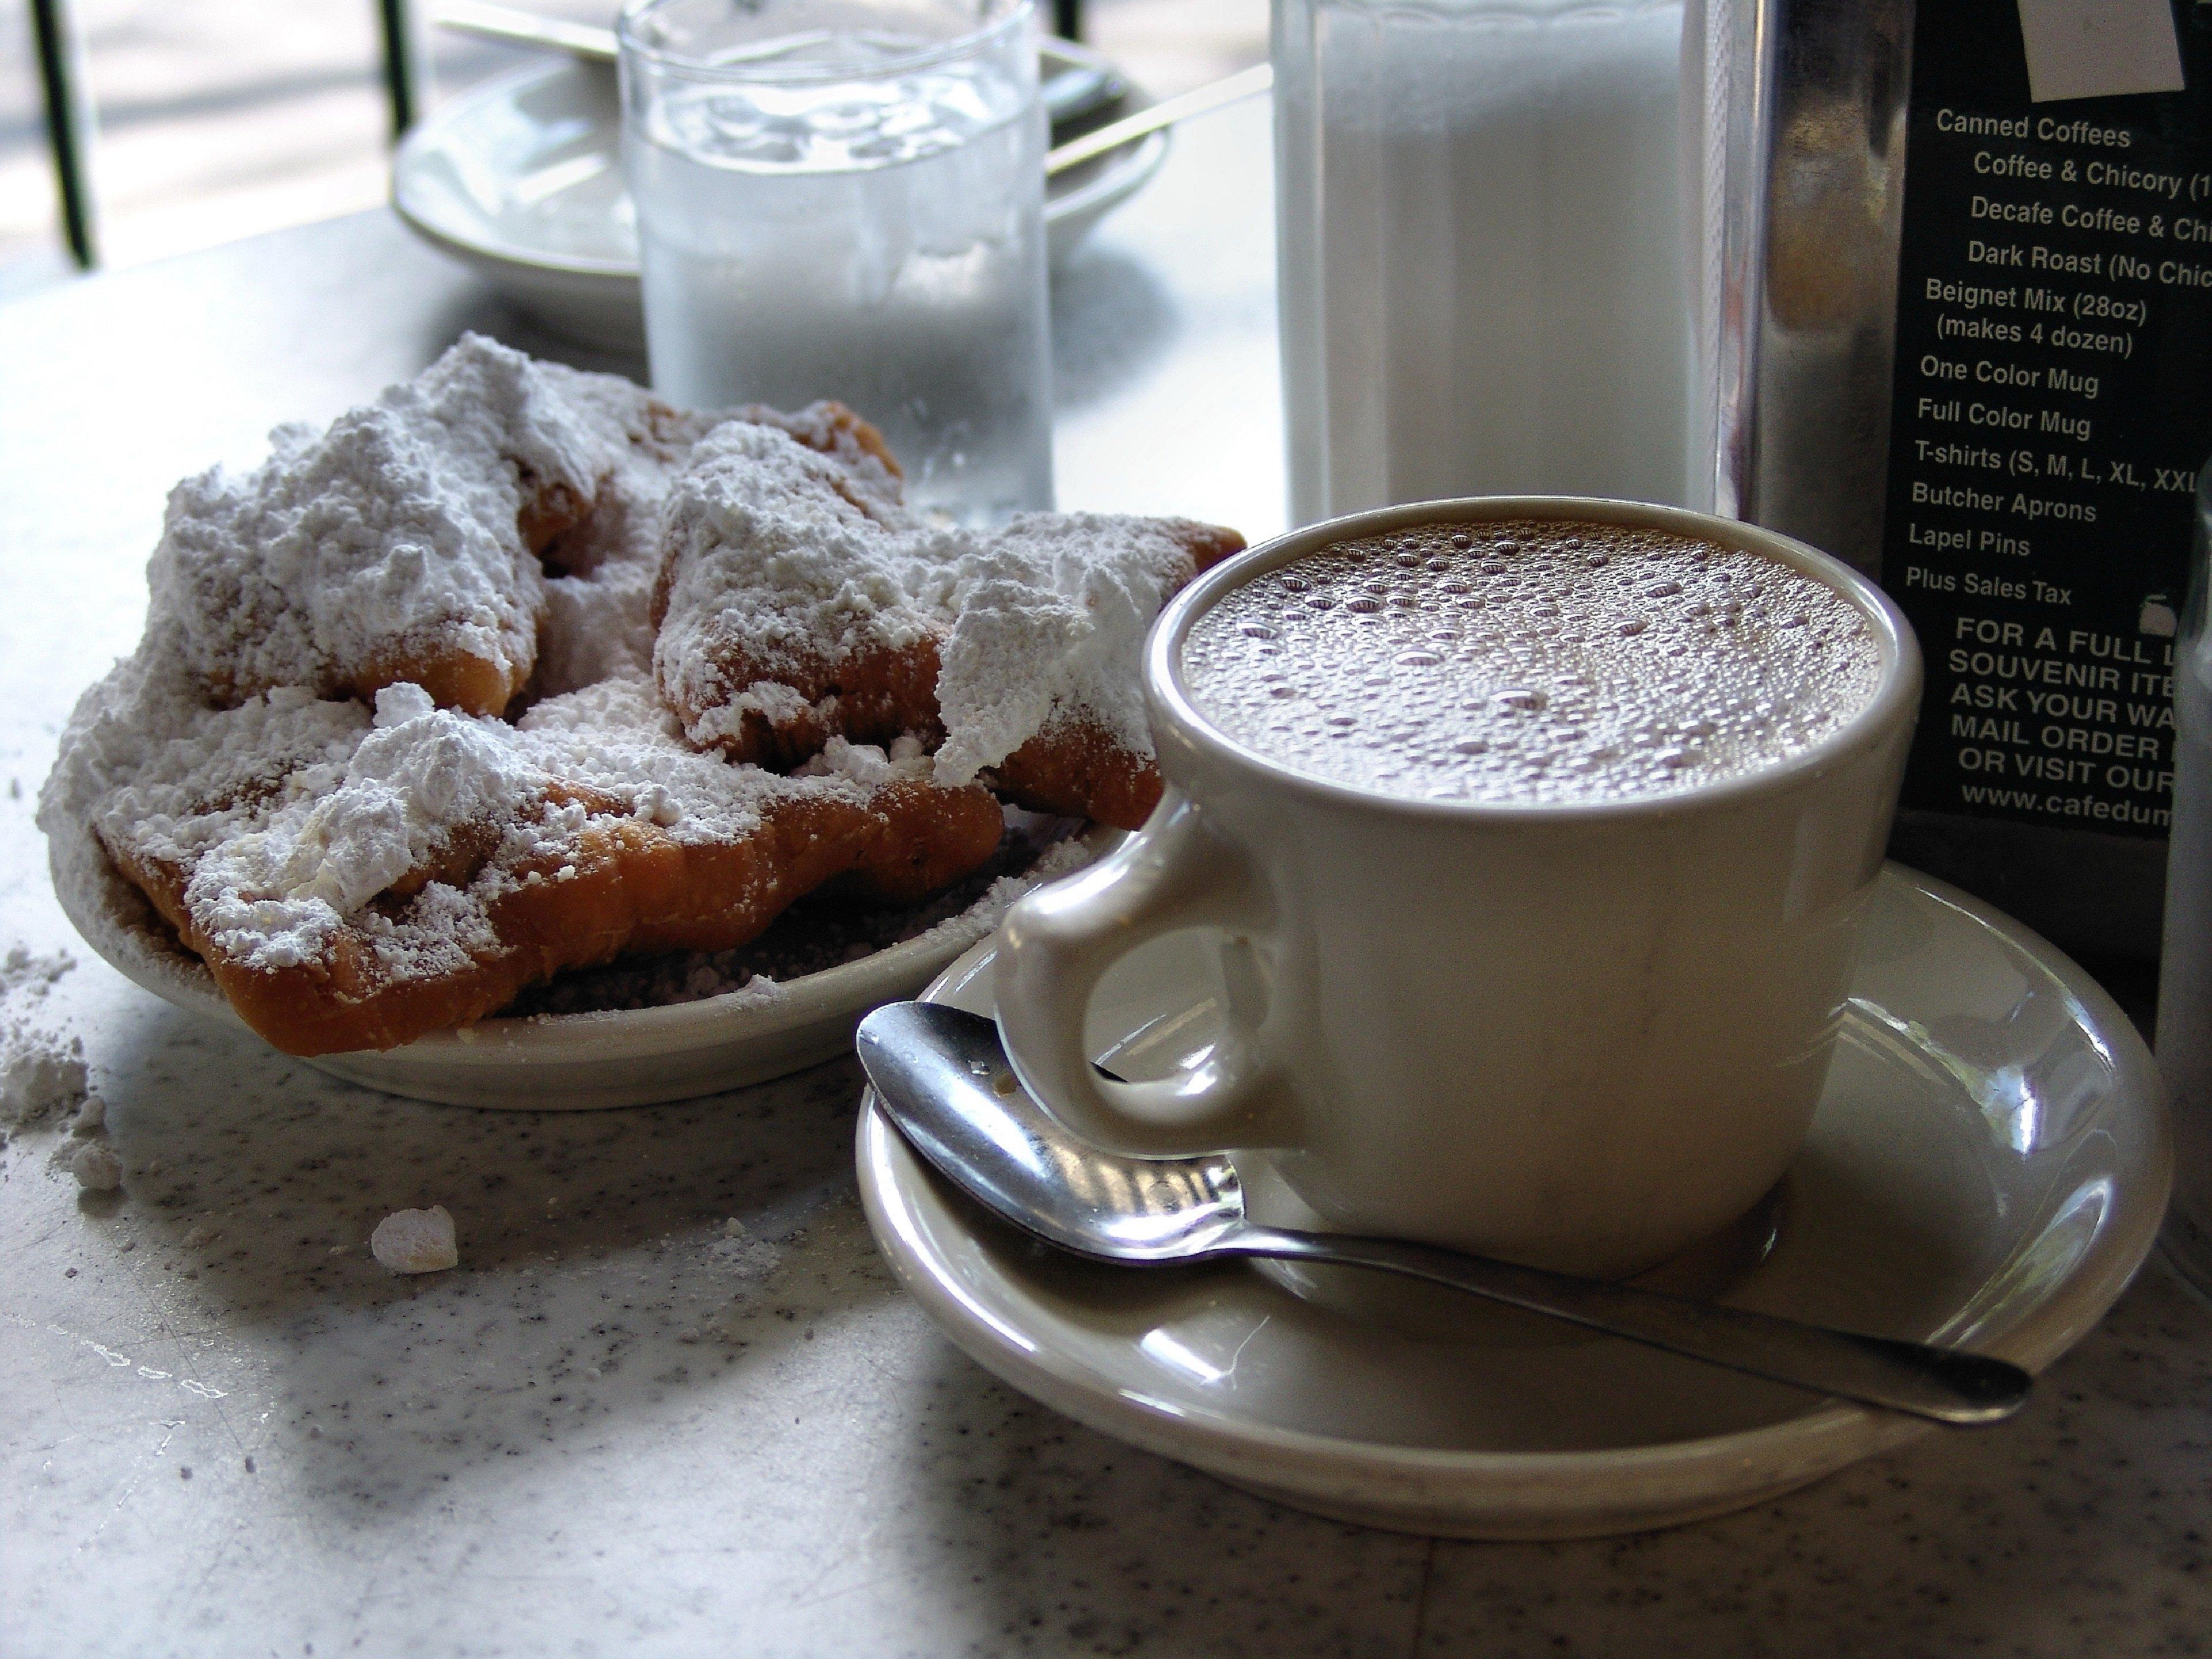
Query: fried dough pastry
column 399, row 544
column 423, row 538
column 403, row 736
column 353, row 881
column 797, row 601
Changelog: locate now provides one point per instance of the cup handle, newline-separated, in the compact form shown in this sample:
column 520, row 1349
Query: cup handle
column 1057, row 944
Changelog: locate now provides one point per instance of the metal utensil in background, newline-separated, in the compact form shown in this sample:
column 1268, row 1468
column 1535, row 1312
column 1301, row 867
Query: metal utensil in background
column 944, row 1080
column 1215, row 94
column 512, row 26
column 1073, row 86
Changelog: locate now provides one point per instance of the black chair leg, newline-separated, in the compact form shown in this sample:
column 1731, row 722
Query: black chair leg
column 68, row 127
column 399, row 80
column 1067, row 19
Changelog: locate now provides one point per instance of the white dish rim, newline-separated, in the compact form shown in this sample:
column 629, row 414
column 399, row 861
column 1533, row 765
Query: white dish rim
column 1819, row 1440
column 1144, row 158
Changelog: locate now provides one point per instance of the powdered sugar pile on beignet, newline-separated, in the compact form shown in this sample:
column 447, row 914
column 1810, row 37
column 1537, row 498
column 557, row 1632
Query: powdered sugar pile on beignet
column 800, row 601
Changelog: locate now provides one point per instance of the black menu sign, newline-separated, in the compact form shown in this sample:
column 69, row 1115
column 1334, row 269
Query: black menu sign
column 2053, row 399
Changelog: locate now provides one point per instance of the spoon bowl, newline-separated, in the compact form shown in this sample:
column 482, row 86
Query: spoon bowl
column 966, row 1113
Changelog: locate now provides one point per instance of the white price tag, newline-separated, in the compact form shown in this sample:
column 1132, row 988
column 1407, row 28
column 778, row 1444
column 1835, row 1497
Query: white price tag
column 2100, row 48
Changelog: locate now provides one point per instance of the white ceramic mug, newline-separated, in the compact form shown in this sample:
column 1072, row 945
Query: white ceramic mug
column 1580, row 1036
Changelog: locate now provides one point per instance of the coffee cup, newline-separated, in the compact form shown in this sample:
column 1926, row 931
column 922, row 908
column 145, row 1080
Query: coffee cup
column 1568, row 995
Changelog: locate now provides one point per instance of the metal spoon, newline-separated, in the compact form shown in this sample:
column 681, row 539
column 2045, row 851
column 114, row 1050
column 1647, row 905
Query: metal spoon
column 943, row 1079
column 1214, row 95
column 512, row 26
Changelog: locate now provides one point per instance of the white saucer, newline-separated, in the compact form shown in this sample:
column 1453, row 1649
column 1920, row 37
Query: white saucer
column 521, row 179
column 1988, row 1168
column 547, row 1062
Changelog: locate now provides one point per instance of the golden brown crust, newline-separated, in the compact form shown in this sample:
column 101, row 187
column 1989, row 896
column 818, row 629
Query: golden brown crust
column 1076, row 768
column 548, row 510
column 623, row 880
column 876, row 695
column 623, row 885
column 455, row 679
column 1209, row 543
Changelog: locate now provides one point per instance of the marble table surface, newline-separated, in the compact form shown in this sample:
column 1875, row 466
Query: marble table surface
column 671, row 1402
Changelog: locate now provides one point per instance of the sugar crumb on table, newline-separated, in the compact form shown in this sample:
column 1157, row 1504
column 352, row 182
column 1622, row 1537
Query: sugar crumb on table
column 97, row 1168
column 415, row 1241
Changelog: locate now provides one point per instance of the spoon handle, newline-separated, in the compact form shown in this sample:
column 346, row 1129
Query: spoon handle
column 513, row 27
column 1245, row 83
column 1946, row 1384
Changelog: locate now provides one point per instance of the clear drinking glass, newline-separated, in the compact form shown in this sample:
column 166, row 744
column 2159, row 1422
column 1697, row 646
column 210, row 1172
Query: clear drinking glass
column 1483, row 251
column 2185, row 988
column 845, row 198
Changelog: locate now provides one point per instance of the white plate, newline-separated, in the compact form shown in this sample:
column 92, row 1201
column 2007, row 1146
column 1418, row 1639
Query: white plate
column 521, row 179
column 1987, row 1168
column 547, row 1062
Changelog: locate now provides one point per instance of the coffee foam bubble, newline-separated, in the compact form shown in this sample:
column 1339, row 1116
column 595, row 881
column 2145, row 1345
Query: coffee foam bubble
column 1530, row 662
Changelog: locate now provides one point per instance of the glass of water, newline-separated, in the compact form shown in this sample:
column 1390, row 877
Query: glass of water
column 845, row 198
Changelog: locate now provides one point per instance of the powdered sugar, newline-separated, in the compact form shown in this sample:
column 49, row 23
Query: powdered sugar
column 418, row 776
column 618, row 739
column 420, row 773
column 415, row 1241
column 394, row 534
column 769, row 549
column 779, row 559
column 298, row 813
column 27, row 978
column 598, row 609
column 42, row 1069
column 1048, row 619
column 40, row 1072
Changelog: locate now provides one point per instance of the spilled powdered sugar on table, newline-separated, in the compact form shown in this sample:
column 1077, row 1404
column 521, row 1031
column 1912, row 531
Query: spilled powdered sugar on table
column 42, row 1065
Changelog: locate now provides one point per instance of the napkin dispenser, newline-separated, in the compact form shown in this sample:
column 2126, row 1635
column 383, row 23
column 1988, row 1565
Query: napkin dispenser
column 1955, row 270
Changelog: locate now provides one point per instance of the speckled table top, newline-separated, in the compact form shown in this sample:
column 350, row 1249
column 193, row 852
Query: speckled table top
column 671, row 1402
